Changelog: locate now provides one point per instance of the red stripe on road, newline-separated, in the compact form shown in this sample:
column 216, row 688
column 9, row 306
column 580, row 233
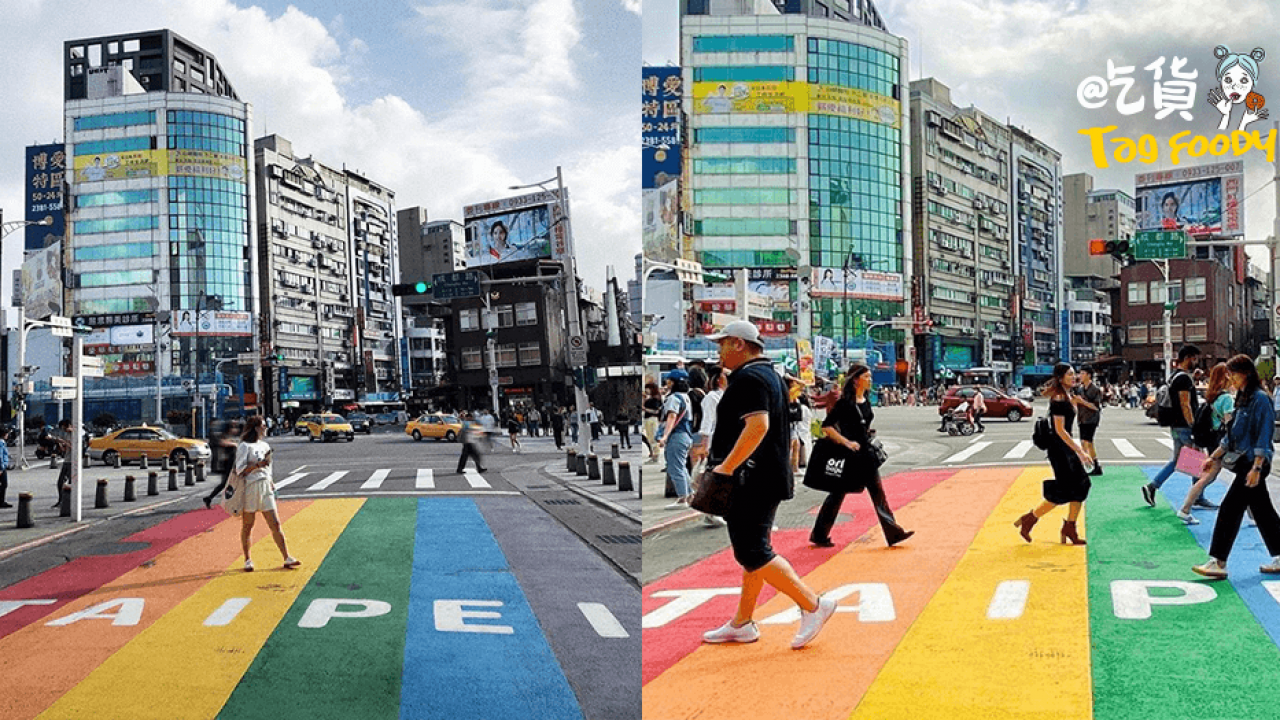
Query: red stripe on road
column 667, row 645
column 87, row 573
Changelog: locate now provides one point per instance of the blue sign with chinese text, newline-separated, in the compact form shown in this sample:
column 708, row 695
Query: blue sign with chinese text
column 46, row 172
column 660, row 126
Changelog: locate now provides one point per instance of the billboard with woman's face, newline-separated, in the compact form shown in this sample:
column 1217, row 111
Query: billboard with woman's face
column 1203, row 200
column 523, row 234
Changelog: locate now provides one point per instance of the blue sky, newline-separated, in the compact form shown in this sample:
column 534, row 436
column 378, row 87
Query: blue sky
column 447, row 102
column 1021, row 61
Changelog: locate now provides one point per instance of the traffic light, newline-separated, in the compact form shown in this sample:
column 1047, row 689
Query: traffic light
column 1120, row 250
column 421, row 287
column 1097, row 246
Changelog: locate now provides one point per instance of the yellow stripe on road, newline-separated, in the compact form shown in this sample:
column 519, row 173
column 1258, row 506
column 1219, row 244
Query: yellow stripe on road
column 180, row 667
column 1006, row 636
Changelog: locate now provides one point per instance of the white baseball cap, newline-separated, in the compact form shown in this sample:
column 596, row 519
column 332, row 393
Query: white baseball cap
column 740, row 329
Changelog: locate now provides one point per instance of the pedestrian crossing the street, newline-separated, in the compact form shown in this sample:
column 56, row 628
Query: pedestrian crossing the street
column 1148, row 448
column 383, row 480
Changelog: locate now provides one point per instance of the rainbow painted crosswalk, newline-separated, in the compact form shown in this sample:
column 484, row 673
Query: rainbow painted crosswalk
column 403, row 608
column 968, row 621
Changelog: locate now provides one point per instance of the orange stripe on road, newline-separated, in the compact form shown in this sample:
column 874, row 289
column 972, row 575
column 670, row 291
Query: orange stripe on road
column 43, row 663
column 828, row 679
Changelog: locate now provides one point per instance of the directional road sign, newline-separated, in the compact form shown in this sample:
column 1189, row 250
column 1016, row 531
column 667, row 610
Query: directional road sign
column 1159, row 244
column 91, row 366
column 447, row 286
column 61, row 381
column 64, row 394
column 247, row 359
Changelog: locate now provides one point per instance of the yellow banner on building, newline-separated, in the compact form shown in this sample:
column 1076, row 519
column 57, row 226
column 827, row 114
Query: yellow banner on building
column 202, row 163
column 787, row 97
column 121, row 165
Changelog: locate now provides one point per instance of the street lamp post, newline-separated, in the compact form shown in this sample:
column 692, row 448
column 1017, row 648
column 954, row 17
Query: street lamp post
column 573, row 311
column 5, row 229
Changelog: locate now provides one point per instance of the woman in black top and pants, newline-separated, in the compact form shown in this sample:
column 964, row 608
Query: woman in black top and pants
column 1070, row 482
column 849, row 424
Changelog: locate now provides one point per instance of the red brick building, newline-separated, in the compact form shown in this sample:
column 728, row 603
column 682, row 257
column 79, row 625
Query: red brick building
column 1211, row 312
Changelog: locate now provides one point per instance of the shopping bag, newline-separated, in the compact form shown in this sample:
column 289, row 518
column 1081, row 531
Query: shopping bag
column 1190, row 461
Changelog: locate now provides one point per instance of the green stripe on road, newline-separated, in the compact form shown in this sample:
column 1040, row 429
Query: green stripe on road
column 320, row 664
column 1206, row 658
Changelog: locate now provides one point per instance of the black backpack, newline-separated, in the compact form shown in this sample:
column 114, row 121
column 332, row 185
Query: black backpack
column 1202, row 432
column 1042, row 433
column 1168, row 412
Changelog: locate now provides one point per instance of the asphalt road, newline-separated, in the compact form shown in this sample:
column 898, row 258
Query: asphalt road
column 495, row 594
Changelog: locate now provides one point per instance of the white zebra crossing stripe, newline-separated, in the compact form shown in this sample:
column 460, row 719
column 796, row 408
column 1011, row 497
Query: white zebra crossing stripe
column 375, row 480
column 968, row 452
column 1020, row 450
column 475, row 480
column 291, row 480
column 1167, row 442
column 1126, row 448
column 426, row 479
column 330, row 479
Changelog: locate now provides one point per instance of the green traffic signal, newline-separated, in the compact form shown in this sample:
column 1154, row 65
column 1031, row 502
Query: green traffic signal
column 421, row 287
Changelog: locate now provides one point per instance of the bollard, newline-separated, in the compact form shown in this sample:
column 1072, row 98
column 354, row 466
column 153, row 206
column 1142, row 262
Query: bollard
column 164, row 464
column 173, row 478
column 143, row 461
column 182, row 463
column 86, row 462
column 53, row 462
column 581, row 465
column 115, row 461
column 200, row 471
column 64, row 501
column 130, row 491
column 572, row 461
column 624, row 476
column 615, row 453
column 188, row 476
column 153, row 483
column 593, row 467
column 100, row 501
column 609, row 477
column 24, row 510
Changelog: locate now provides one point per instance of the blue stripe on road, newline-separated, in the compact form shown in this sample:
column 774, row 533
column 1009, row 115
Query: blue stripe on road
column 478, row 668
column 1246, row 555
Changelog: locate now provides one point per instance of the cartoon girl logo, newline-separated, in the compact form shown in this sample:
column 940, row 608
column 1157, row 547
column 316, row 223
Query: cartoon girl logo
column 1237, row 74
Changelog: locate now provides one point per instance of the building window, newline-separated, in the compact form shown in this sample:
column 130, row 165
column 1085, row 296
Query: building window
column 469, row 320
column 526, row 313
column 471, row 358
column 744, row 43
column 1137, row 293
column 506, row 355
column 1138, row 333
column 1175, row 331
column 506, row 316
column 1157, row 332
column 1175, row 290
column 1197, row 330
column 530, row 354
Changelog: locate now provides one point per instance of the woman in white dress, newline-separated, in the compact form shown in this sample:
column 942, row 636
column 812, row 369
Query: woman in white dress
column 258, row 491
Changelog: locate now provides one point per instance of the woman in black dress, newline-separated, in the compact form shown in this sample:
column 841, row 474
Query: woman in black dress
column 849, row 424
column 1070, row 482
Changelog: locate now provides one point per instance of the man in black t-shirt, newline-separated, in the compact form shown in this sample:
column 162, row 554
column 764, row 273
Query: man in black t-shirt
column 753, row 435
column 1088, row 401
column 1182, row 395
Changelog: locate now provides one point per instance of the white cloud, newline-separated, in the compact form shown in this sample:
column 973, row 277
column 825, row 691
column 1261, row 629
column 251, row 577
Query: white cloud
column 522, row 90
column 632, row 6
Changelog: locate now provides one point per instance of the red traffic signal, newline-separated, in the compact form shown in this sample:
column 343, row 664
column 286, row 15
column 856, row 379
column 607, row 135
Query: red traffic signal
column 1098, row 246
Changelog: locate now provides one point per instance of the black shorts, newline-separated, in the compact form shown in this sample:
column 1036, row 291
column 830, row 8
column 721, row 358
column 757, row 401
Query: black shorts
column 1087, row 431
column 750, row 523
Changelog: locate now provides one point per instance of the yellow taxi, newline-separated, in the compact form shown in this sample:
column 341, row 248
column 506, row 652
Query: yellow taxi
column 446, row 427
column 327, row 426
column 132, row 443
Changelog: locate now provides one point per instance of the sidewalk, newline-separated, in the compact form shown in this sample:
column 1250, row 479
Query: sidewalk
column 657, row 516
column 627, row 504
column 40, row 480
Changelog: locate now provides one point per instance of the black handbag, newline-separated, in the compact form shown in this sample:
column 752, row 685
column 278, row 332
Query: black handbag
column 713, row 493
column 876, row 453
column 834, row 468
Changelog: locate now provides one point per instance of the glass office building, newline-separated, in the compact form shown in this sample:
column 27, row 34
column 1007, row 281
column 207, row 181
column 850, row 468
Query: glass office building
column 798, row 160
column 160, row 207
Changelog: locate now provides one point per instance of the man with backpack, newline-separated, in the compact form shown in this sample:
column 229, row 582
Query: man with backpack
column 1176, row 406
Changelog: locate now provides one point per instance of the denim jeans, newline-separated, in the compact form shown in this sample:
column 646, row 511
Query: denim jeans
column 677, row 454
column 1181, row 438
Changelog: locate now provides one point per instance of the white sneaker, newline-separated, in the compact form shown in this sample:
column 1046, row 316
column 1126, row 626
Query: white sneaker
column 1211, row 569
column 727, row 633
column 248, row 566
column 1188, row 518
column 712, row 521
column 811, row 623
column 1271, row 568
